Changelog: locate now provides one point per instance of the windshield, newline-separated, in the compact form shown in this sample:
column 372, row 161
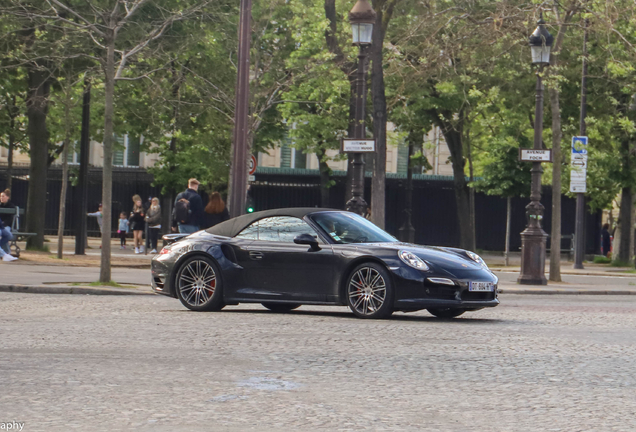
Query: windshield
column 346, row 228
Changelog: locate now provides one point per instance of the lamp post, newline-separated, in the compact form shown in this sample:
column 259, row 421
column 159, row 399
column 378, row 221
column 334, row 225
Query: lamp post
column 533, row 237
column 362, row 18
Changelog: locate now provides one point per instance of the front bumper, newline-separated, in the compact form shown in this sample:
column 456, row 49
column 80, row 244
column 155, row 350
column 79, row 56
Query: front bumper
column 160, row 278
column 414, row 291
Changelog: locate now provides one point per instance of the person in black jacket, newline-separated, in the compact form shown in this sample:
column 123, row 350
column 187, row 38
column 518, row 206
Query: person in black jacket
column 193, row 206
column 215, row 212
column 606, row 240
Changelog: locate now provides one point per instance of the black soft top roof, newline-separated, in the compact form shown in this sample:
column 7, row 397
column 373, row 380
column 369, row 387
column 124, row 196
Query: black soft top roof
column 232, row 227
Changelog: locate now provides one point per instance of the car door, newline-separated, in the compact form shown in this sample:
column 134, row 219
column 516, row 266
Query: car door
column 277, row 268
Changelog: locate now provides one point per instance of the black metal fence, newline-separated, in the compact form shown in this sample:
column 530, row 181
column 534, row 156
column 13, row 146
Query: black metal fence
column 434, row 208
column 126, row 183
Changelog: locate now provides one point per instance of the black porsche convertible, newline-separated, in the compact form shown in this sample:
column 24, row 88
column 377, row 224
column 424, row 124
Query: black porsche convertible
column 288, row 257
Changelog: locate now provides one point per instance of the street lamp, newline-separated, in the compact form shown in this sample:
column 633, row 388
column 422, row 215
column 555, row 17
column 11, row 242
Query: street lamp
column 362, row 18
column 533, row 238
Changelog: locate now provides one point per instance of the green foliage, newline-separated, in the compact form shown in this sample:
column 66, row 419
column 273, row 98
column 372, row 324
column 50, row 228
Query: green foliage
column 315, row 109
column 462, row 64
column 600, row 259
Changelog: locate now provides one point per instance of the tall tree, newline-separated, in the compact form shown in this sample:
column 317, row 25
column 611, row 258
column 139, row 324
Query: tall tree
column 119, row 33
column 563, row 19
column 384, row 10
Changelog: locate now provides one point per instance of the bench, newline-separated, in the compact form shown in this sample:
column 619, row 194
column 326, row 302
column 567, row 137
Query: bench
column 15, row 229
column 568, row 243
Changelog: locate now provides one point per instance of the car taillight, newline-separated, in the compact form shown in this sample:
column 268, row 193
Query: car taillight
column 164, row 251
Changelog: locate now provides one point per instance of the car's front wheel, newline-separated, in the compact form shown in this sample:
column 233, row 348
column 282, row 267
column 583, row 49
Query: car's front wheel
column 198, row 285
column 369, row 291
column 446, row 313
column 281, row 307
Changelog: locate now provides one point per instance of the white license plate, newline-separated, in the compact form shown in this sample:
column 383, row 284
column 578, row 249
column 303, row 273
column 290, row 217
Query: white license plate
column 481, row 286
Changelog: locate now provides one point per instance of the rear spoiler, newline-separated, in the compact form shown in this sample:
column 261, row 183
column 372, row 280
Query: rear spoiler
column 172, row 238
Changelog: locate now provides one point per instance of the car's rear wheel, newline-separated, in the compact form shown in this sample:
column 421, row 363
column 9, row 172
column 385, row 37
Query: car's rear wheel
column 446, row 313
column 199, row 286
column 281, row 307
column 369, row 291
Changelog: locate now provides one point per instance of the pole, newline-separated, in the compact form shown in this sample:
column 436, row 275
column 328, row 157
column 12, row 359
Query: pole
column 507, row 247
column 357, row 204
column 82, row 184
column 238, row 177
column 407, row 232
column 579, row 225
column 533, row 238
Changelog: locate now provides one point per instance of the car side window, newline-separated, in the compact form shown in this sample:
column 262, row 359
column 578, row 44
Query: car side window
column 250, row 232
column 278, row 229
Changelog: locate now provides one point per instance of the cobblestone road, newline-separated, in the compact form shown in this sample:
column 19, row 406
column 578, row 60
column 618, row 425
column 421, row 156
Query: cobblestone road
column 93, row 363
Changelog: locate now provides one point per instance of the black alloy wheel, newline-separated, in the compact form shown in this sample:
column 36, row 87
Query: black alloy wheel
column 446, row 313
column 369, row 291
column 281, row 307
column 198, row 285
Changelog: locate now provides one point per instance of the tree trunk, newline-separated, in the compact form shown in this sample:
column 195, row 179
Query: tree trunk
column 166, row 209
column 471, row 198
column 555, row 254
column 350, row 132
column 631, row 233
column 37, row 110
column 13, row 113
column 454, row 141
column 107, row 173
column 62, row 214
column 508, row 216
column 622, row 252
column 325, row 177
column 378, row 182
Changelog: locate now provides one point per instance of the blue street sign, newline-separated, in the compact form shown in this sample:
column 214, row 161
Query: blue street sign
column 579, row 145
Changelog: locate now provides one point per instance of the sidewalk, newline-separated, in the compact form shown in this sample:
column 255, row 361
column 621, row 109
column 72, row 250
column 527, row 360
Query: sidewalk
column 41, row 272
column 24, row 276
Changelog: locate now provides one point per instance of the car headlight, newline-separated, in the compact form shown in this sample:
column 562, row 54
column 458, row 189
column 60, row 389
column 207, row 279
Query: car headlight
column 412, row 260
column 473, row 256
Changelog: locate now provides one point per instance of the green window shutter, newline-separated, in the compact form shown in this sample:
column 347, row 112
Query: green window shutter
column 403, row 158
column 133, row 151
column 285, row 153
column 300, row 160
column 119, row 147
column 71, row 152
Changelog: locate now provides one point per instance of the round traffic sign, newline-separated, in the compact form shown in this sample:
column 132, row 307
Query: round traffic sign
column 252, row 166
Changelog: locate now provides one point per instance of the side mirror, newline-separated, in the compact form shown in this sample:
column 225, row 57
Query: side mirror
column 306, row 239
column 172, row 238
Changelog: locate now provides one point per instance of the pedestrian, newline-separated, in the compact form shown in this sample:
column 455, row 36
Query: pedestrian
column 215, row 212
column 153, row 219
column 606, row 241
column 124, row 229
column 188, row 208
column 137, row 223
column 4, row 240
column 100, row 220
column 5, row 233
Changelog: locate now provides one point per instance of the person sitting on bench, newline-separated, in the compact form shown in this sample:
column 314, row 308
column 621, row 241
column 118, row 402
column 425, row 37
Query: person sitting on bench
column 7, row 219
column 4, row 241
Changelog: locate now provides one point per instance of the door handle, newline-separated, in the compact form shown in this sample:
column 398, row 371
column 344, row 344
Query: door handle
column 256, row 255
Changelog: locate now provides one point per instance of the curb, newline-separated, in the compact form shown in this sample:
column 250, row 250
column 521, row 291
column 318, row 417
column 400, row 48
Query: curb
column 40, row 289
column 540, row 291
column 574, row 273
